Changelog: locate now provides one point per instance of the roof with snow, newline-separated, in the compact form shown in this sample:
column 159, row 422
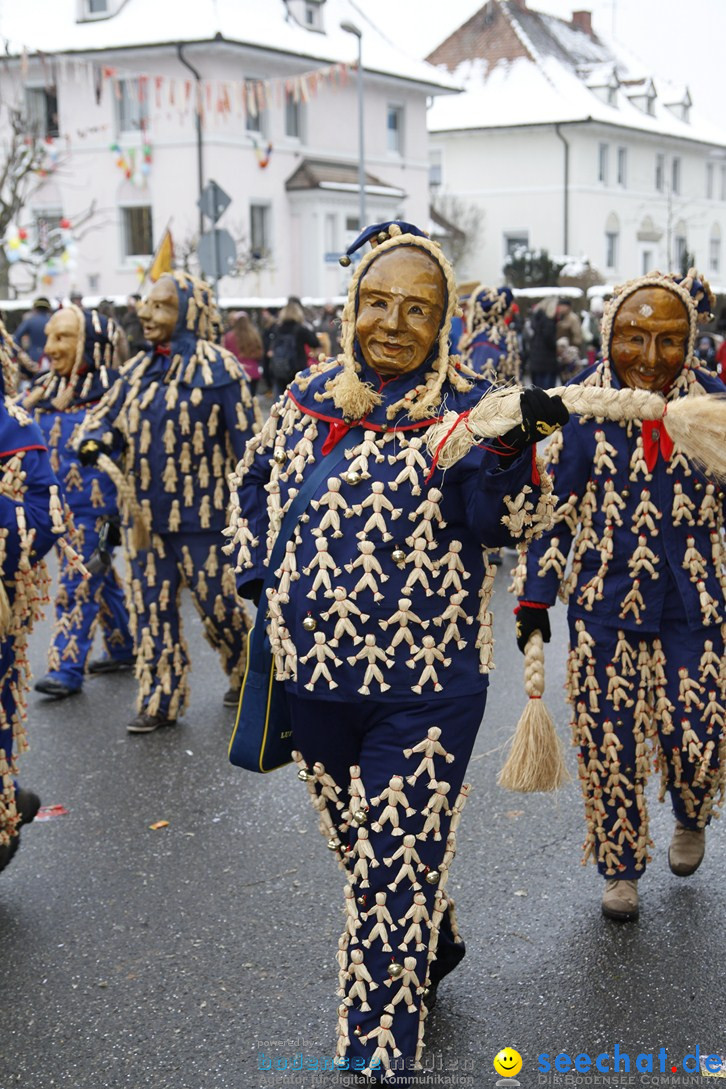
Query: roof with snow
column 53, row 26
column 522, row 67
column 322, row 174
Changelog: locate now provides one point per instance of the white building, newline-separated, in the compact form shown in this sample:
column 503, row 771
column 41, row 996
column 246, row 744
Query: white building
column 568, row 146
column 114, row 84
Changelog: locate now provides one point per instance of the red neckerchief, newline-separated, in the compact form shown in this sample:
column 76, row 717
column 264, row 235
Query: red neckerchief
column 162, row 349
column 655, row 438
column 338, row 430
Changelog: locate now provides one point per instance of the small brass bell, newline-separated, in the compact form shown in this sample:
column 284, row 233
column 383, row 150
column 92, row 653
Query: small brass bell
column 359, row 817
column 383, row 236
column 357, row 1030
column 432, row 877
column 361, row 901
column 305, row 775
column 309, row 623
column 352, row 478
column 333, row 843
column 398, row 556
column 280, row 456
column 394, row 969
column 344, row 260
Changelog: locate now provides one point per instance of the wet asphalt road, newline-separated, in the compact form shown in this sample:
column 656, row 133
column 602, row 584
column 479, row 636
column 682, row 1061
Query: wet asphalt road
column 171, row 959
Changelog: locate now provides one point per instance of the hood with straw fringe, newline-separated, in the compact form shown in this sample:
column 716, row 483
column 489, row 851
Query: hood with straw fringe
column 698, row 299
column 347, row 388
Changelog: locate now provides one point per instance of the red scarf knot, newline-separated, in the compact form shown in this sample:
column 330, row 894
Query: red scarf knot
column 655, row 438
column 338, row 430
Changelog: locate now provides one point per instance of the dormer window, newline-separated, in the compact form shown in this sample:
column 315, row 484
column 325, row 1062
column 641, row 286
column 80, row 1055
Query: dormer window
column 308, row 13
column 642, row 94
column 681, row 109
column 97, row 9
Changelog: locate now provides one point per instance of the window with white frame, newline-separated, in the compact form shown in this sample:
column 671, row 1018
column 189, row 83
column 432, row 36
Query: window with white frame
column 714, row 249
column 723, row 183
column 331, row 232
column 352, row 223
column 260, row 234
column 137, row 236
column 435, row 167
column 256, row 113
column 46, row 225
column 41, row 108
column 394, row 129
column 293, row 115
column 313, row 15
column 622, row 166
column 515, row 240
column 602, row 163
column 676, row 174
column 612, row 241
column 659, row 172
column 96, row 7
column 680, row 245
column 646, row 264
column 132, row 105
column 709, row 181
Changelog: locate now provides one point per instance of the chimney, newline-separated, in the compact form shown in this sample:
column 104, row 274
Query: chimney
column 582, row 20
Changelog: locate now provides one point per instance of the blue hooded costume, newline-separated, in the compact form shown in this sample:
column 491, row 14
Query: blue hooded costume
column 380, row 628
column 645, row 597
column 31, row 520
column 60, row 406
column 487, row 344
column 177, row 421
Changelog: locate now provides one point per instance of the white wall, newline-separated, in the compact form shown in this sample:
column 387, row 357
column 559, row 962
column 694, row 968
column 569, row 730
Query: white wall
column 88, row 171
column 515, row 176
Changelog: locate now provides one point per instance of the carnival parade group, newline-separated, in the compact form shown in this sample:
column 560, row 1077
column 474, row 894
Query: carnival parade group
column 163, row 474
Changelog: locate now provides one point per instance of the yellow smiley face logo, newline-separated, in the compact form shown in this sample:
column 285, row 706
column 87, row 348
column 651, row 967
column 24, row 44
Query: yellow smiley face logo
column 508, row 1062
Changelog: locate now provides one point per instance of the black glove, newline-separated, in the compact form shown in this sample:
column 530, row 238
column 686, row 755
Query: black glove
column 90, row 451
column 113, row 533
column 109, row 536
column 252, row 590
column 541, row 415
column 530, row 620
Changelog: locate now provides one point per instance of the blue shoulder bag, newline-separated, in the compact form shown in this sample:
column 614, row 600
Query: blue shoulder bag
column 262, row 737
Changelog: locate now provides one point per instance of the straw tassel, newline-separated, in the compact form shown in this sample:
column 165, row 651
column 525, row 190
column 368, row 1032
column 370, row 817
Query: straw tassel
column 140, row 533
column 536, row 759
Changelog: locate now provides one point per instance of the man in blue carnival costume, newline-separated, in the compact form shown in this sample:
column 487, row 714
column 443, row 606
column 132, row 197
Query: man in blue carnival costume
column 80, row 348
column 645, row 593
column 31, row 520
column 177, row 420
column 488, row 344
column 379, row 619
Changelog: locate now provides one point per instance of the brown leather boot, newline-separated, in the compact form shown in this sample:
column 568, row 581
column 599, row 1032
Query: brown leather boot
column 145, row 723
column 620, row 900
column 686, row 851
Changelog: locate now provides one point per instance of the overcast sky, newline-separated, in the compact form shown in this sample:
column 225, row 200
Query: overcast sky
column 680, row 41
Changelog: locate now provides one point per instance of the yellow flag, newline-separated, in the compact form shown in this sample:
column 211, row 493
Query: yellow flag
column 163, row 258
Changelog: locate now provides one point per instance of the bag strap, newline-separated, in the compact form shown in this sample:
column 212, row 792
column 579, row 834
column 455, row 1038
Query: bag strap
column 257, row 649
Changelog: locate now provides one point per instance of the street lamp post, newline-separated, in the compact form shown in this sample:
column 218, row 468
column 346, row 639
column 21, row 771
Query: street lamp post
column 351, row 28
